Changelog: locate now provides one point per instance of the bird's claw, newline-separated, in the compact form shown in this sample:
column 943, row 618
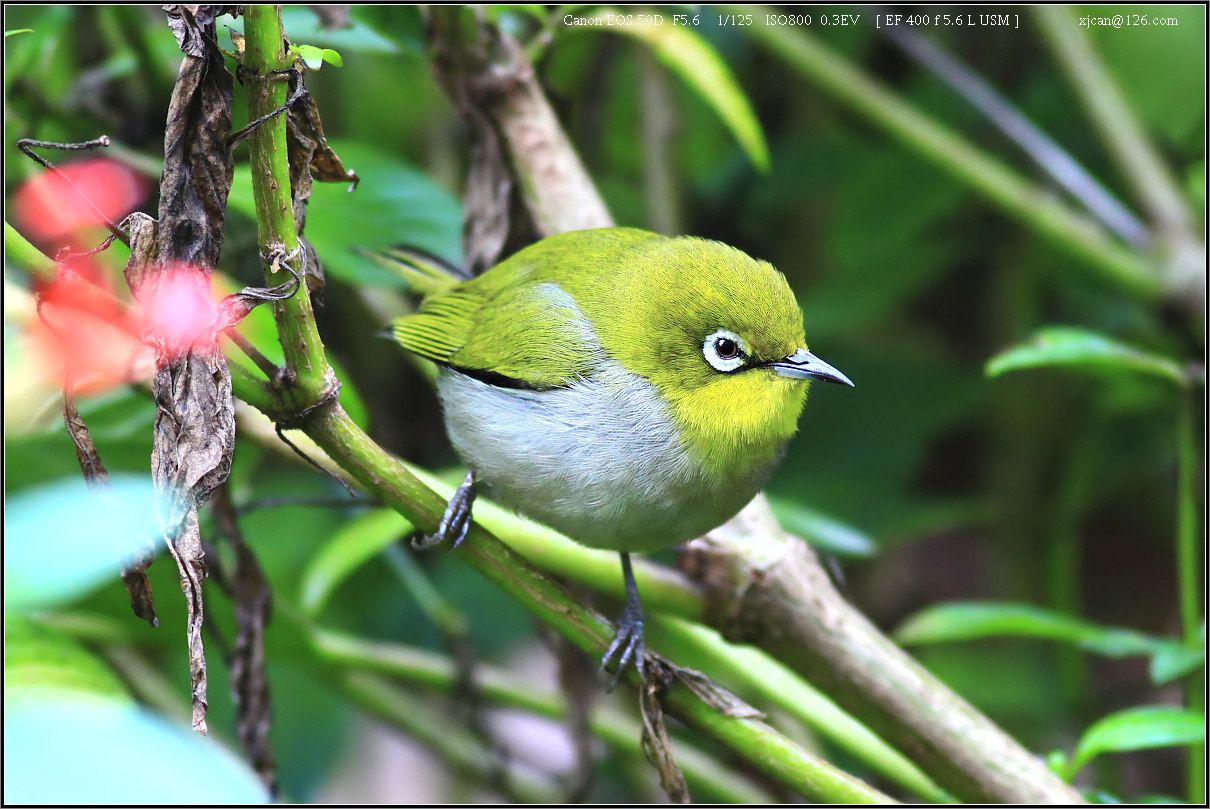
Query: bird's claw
column 627, row 645
column 455, row 522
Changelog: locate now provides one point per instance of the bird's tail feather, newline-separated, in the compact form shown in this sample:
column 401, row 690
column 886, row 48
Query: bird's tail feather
column 423, row 272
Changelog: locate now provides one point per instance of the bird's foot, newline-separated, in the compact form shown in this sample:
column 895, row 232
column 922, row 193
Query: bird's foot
column 627, row 644
column 455, row 522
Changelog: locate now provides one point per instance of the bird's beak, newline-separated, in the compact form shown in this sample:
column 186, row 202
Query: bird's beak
column 802, row 364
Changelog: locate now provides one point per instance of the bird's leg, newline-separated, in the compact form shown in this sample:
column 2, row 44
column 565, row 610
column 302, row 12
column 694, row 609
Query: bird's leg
column 456, row 520
column 629, row 638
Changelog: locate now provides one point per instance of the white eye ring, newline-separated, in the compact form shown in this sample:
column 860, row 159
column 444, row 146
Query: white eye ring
column 719, row 362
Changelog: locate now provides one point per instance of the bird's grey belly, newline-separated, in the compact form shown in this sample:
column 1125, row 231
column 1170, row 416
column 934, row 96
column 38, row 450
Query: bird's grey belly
column 599, row 460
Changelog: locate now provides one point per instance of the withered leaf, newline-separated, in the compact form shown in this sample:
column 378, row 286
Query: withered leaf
column 236, row 306
column 656, row 743
column 194, row 432
column 193, row 25
column 311, row 158
column 714, row 695
column 198, row 165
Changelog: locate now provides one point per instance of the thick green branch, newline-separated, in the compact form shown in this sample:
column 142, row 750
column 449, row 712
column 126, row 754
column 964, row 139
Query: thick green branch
column 264, row 58
column 327, row 423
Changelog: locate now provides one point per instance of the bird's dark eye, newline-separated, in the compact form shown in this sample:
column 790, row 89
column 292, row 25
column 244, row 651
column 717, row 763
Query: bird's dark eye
column 726, row 348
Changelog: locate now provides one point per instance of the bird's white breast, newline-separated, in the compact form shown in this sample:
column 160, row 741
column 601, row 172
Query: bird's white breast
column 599, row 460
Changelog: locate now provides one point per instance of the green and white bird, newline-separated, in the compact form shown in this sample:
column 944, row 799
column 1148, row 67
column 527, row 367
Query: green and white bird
column 631, row 390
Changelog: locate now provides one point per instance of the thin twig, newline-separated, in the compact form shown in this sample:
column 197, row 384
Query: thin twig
column 1037, row 145
column 267, row 366
column 27, row 145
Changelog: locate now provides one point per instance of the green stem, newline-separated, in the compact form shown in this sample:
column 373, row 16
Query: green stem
column 1115, row 123
column 269, row 158
column 1031, row 205
column 1189, row 472
column 707, row 777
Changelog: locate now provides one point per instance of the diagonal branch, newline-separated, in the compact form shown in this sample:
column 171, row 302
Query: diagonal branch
column 961, row 749
column 322, row 417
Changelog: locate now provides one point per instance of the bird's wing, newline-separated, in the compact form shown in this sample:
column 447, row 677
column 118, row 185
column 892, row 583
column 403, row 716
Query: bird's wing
column 528, row 333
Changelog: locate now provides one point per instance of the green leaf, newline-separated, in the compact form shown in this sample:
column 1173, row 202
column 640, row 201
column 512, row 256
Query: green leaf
column 969, row 620
column 1175, row 661
column 312, row 56
column 394, row 204
column 8, row 34
column 1069, row 347
column 356, row 543
column 699, row 65
column 822, row 531
column 332, row 57
column 1138, row 729
column 37, row 657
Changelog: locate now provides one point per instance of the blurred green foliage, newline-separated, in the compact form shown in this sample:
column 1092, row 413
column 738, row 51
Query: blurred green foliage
column 1047, row 490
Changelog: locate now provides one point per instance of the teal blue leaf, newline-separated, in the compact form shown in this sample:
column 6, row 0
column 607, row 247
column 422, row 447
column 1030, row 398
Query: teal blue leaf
column 64, row 538
column 1080, row 349
column 1138, row 729
column 66, row 749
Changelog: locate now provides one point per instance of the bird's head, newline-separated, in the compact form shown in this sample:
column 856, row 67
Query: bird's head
column 720, row 335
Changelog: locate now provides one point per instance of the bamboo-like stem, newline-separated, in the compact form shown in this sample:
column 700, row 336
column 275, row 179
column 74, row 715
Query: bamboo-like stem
column 345, row 443
column 707, row 777
column 1189, row 475
column 1116, row 124
column 1040, row 211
